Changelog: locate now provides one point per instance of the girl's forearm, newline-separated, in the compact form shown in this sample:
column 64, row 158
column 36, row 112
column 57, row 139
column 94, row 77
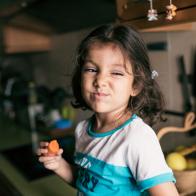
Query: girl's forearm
column 67, row 172
column 167, row 188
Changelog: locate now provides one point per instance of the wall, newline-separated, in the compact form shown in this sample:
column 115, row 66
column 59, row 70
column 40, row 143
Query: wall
column 165, row 62
column 58, row 63
column 62, row 58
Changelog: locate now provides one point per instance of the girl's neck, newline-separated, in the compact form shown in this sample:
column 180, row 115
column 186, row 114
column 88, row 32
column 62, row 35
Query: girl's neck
column 105, row 122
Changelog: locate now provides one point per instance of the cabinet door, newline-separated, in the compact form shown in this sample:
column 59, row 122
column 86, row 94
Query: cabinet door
column 17, row 40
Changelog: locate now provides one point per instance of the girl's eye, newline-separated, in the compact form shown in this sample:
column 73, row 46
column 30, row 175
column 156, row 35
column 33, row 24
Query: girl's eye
column 90, row 70
column 117, row 73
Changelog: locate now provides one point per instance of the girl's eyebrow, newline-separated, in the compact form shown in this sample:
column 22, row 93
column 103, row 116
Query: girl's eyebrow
column 114, row 65
column 90, row 61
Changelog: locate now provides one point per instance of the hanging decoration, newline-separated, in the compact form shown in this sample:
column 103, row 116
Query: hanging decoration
column 152, row 13
column 171, row 11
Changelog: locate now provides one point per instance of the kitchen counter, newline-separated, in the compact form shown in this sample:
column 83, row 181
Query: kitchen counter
column 47, row 186
column 12, row 136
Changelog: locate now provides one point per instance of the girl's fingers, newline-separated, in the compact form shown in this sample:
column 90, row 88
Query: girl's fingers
column 43, row 148
column 50, row 162
column 44, row 151
column 47, row 158
column 60, row 152
column 41, row 151
column 43, row 144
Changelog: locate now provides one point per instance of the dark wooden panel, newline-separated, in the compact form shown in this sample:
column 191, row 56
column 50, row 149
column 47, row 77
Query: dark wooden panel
column 183, row 16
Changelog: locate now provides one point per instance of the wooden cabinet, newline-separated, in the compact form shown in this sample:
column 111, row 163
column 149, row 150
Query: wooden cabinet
column 18, row 40
column 134, row 12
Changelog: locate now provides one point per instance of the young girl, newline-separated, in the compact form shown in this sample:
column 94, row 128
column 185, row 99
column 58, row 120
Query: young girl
column 116, row 152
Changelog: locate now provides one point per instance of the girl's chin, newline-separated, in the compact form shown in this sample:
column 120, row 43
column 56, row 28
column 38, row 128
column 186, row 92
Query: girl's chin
column 102, row 110
column 99, row 109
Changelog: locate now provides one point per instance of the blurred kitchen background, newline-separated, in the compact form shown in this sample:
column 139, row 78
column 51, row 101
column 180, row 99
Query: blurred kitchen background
column 38, row 39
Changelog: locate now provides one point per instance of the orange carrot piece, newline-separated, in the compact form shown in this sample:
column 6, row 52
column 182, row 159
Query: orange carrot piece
column 53, row 147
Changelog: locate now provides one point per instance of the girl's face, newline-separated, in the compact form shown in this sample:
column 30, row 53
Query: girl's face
column 107, row 79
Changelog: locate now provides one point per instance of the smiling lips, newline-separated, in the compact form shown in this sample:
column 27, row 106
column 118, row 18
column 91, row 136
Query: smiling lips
column 99, row 95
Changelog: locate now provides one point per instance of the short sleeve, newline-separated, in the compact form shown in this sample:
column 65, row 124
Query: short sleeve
column 146, row 159
column 79, row 133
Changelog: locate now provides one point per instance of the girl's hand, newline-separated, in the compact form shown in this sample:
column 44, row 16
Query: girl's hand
column 51, row 162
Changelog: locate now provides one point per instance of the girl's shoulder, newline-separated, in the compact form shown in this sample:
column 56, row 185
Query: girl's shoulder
column 81, row 127
column 138, row 129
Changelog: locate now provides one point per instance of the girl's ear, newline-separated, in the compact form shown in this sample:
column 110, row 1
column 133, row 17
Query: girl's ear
column 135, row 91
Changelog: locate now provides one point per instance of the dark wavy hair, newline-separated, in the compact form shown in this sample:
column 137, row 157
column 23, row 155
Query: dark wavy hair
column 149, row 102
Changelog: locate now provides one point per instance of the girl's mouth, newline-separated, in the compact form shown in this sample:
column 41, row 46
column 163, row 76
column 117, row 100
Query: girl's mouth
column 99, row 95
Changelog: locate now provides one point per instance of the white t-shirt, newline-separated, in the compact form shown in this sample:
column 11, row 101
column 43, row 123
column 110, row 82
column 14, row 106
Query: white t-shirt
column 124, row 161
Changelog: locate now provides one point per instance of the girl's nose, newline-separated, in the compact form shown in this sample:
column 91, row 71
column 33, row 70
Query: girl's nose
column 100, row 79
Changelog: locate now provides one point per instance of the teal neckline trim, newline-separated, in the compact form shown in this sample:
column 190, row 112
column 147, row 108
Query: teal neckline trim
column 93, row 134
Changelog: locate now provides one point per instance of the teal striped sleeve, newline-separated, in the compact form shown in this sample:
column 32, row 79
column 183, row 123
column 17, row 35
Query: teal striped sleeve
column 156, row 180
